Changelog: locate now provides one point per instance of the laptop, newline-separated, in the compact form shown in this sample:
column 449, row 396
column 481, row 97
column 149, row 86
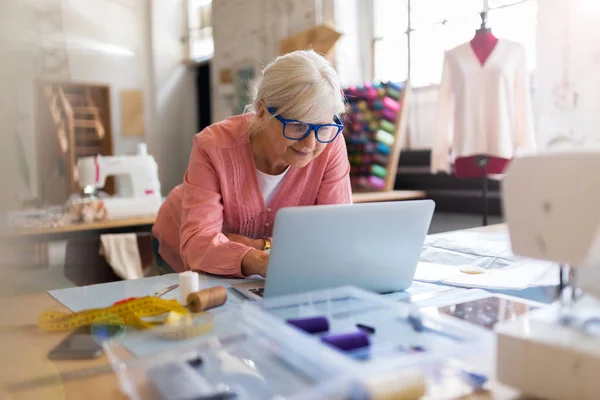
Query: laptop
column 374, row 246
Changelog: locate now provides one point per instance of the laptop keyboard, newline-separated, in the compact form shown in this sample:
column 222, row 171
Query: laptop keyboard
column 258, row 291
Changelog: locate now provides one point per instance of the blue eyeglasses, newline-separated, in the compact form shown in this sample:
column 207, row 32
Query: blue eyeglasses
column 298, row 130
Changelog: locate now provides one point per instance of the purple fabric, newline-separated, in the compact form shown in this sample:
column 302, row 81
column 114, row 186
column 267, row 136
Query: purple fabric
column 310, row 325
column 348, row 341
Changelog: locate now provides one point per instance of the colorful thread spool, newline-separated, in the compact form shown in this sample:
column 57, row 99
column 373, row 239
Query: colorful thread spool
column 189, row 282
column 373, row 126
column 377, row 105
column 399, row 86
column 362, row 105
column 348, row 341
column 393, row 93
column 378, row 171
column 384, row 137
column 381, row 92
column 391, row 104
column 364, row 137
column 389, row 115
column 383, row 149
column 207, row 299
column 380, row 159
column 376, row 182
column 370, row 147
column 357, row 181
column 310, row 325
column 371, row 93
column 387, row 126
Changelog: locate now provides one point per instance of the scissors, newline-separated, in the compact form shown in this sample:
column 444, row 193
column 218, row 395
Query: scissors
column 160, row 293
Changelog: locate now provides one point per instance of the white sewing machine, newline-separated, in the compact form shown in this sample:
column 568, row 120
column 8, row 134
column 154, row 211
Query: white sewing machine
column 138, row 193
column 552, row 208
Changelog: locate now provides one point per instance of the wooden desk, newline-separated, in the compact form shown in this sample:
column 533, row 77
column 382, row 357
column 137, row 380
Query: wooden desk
column 393, row 195
column 32, row 243
column 23, row 350
column 62, row 232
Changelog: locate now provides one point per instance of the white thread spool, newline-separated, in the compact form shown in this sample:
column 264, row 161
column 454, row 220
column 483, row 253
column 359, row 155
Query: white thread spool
column 189, row 282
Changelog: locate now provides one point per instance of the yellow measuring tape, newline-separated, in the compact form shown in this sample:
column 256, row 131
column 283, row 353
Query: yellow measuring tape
column 178, row 323
column 128, row 313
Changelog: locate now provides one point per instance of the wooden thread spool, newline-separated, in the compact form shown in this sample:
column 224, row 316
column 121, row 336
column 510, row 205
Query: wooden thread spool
column 207, row 299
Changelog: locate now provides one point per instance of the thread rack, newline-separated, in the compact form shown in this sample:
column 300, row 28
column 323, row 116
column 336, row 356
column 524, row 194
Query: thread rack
column 375, row 129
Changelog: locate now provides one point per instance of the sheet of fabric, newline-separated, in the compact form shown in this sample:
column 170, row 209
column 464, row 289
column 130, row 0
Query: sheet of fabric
column 483, row 109
column 444, row 254
column 122, row 253
column 486, row 250
column 520, row 275
column 104, row 295
column 221, row 194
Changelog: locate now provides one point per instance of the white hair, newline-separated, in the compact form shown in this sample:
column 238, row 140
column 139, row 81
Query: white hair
column 301, row 85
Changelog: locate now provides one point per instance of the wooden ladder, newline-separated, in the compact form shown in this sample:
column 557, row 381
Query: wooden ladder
column 79, row 129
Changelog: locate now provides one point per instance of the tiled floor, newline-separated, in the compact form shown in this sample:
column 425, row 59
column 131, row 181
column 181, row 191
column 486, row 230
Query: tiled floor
column 15, row 281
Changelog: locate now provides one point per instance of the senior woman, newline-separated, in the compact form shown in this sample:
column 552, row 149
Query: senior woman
column 288, row 151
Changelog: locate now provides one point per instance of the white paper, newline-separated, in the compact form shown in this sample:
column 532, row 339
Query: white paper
column 519, row 276
column 430, row 272
column 487, row 250
column 421, row 291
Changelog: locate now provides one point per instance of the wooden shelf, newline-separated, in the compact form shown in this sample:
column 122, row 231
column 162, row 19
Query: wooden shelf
column 73, row 228
column 76, row 119
column 392, row 195
column 365, row 108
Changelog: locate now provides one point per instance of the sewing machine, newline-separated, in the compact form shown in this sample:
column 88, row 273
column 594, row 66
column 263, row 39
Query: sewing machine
column 138, row 190
column 552, row 211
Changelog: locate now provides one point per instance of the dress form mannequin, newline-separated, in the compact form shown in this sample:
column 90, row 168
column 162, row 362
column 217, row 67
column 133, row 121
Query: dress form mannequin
column 483, row 43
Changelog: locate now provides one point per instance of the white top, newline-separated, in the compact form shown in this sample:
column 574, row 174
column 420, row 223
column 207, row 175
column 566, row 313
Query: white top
column 483, row 109
column 269, row 184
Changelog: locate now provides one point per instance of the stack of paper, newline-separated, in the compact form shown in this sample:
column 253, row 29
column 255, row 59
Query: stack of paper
column 520, row 275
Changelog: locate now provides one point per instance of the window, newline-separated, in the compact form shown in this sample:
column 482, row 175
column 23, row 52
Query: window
column 200, row 33
column 411, row 44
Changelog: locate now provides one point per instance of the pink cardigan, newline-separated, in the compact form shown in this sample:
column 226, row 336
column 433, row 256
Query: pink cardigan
column 220, row 194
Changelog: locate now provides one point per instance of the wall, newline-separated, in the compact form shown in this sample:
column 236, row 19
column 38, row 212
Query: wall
column 12, row 178
column 173, row 91
column 99, row 42
column 352, row 20
column 567, row 77
column 247, row 34
column 126, row 44
column 106, row 45
column 141, row 48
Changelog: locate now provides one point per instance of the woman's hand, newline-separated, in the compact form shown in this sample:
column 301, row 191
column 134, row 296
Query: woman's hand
column 258, row 244
column 255, row 263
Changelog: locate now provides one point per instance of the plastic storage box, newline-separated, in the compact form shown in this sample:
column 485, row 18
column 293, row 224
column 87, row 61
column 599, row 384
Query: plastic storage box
column 398, row 335
column 240, row 356
column 254, row 353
